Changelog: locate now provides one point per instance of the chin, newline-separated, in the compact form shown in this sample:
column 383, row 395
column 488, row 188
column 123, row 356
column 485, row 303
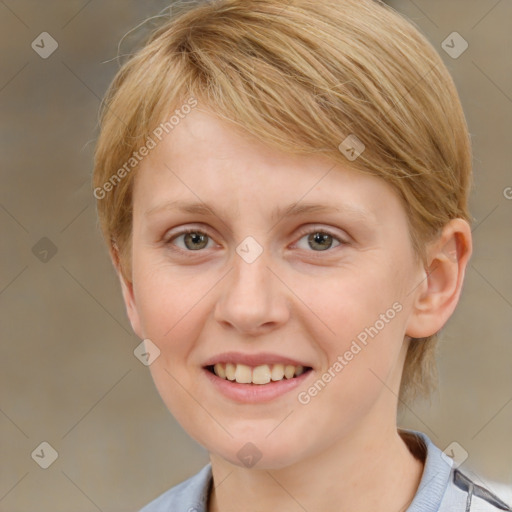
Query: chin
column 258, row 452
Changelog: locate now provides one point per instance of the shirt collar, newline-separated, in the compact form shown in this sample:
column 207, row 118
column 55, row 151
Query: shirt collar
column 436, row 473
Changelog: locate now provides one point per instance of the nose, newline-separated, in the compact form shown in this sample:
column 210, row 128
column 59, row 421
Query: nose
column 253, row 300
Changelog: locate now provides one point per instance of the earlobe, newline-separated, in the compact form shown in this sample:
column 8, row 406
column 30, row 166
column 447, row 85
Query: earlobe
column 438, row 296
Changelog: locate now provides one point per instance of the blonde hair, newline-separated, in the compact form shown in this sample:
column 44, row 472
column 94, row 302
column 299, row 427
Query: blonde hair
column 301, row 76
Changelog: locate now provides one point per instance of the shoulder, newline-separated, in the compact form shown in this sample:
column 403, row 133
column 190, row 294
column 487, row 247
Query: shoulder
column 188, row 496
column 443, row 487
column 463, row 491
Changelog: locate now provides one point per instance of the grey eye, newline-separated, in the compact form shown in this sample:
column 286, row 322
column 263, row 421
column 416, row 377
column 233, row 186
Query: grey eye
column 320, row 240
column 194, row 240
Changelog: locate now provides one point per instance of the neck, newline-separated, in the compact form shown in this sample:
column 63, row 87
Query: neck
column 363, row 473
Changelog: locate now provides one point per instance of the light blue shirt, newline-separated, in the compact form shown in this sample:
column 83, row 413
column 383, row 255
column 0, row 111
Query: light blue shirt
column 443, row 488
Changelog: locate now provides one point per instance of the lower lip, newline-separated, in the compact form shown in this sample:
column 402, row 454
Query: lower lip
column 255, row 393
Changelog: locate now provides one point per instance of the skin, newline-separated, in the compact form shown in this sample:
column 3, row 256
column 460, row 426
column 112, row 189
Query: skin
column 342, row 450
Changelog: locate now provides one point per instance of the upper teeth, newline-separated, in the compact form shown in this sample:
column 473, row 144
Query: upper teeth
column 262, row 374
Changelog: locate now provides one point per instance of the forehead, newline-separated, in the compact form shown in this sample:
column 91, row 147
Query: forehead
column 209, row 160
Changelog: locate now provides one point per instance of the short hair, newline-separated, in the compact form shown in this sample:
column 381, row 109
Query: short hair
column 300, row 76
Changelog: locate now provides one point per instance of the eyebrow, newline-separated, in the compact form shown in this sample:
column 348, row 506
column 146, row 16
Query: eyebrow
column 294, row 209
column 291, row 210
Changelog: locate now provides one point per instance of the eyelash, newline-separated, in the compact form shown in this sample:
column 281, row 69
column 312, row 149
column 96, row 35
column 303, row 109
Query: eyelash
column 304, row 232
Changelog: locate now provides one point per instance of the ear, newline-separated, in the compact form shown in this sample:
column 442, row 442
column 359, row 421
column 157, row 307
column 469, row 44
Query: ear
column 127, row 291
column 437, row 296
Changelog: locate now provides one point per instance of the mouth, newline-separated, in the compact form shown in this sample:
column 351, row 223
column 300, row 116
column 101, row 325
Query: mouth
column 257, row 375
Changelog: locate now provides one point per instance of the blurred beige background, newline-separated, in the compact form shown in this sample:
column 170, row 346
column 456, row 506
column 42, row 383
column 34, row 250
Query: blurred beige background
column 68, row 373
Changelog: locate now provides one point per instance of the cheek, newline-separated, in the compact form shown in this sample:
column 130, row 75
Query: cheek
column 348, row 301
column 360, row 361
column 172, row 309
column 166, row 296
column 359, row 322
column 172, row 315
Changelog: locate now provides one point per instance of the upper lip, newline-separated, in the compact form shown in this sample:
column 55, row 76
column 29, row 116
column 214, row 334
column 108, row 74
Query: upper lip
column 253, row 359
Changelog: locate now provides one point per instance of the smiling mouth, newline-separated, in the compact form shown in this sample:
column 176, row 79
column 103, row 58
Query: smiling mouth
column 262, row 374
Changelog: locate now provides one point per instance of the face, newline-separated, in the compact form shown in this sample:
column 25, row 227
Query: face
column 325, row 287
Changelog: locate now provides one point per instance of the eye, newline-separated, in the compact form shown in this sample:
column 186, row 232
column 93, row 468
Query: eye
column 320, row 240
column 193, row 240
